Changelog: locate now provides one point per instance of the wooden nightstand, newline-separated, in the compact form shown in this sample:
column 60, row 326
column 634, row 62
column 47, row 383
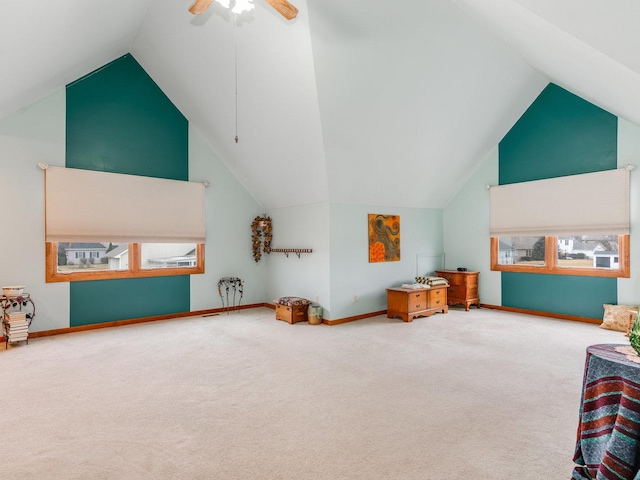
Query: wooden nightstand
column 463, row 287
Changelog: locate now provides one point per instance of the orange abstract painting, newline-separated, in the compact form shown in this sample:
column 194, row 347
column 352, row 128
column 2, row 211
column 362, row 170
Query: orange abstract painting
column 384, row 238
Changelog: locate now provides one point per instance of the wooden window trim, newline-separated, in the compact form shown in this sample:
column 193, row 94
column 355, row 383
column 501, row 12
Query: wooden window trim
column 551, row 261
column 134, row 271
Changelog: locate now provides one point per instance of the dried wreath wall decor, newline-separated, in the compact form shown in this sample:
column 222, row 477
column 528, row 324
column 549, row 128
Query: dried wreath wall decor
column 261, row 226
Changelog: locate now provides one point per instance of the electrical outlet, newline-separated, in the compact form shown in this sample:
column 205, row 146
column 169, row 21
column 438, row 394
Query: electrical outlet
column 355, row 298
column 317, row 299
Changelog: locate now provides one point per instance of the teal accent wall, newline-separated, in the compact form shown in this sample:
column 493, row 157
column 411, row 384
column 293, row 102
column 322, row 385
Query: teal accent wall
column 577, row 296
column 559, row 134
column 123, row 299
column 118, row 120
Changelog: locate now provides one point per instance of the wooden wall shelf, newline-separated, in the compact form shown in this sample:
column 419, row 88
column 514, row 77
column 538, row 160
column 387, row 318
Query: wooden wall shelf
column 287, row 251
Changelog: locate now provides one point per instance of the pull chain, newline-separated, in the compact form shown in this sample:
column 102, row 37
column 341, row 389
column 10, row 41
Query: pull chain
column 235, row 32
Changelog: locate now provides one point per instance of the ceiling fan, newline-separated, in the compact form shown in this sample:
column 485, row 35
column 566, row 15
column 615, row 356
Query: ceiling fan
column 286, row 9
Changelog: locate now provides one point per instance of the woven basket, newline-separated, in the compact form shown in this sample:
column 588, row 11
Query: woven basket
column 315, row 314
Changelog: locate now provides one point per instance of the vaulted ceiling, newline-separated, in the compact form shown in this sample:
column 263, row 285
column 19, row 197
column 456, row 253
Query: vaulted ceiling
column 355, row 101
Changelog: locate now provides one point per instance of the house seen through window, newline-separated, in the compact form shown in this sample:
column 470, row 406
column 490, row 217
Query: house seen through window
column 100, row 260
column 74, row 257
column 78, row 256
column 594, row 255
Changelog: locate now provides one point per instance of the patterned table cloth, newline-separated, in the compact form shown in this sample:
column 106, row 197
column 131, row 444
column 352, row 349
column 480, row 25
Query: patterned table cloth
column 608, row 441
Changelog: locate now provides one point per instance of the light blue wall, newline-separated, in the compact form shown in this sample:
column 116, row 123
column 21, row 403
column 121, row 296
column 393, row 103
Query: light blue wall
column 229, row 210
column 352, row 274
column 339, row 268
column 629, row 153
column 33, row 134
column 308, row 276
column 466, row 229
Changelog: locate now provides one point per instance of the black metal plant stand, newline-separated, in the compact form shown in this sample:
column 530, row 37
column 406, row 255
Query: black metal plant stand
column 16, row 303
column 230, row 283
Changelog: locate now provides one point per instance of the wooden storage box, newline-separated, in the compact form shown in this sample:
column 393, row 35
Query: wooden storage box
column 408, row 303
column 291, row 314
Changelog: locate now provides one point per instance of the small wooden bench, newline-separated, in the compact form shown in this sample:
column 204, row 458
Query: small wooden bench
column 292, row 309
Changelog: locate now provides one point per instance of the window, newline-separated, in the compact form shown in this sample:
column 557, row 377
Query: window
column 535, row 222
column 521, row 251
column 122, row 260
column 101, row 225
column 586, row 255
column 167, row 255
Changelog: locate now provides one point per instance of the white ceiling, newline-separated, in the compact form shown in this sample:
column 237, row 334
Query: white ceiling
column 357, row 102
column 579, row 45
column 45, row 45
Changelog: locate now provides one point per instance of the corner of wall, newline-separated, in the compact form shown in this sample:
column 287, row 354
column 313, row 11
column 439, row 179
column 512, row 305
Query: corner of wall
column 466, row 229
column 629, row 153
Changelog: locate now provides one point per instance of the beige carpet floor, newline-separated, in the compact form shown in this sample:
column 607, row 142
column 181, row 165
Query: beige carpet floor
column 468, row 395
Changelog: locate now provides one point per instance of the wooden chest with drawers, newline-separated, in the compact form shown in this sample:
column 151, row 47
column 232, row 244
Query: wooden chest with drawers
column 408, row 303
column 463, row 287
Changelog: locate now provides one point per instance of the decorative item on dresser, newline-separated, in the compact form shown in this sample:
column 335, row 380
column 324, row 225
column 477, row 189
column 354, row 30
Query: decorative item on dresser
column 463, row 287
column 410, row 303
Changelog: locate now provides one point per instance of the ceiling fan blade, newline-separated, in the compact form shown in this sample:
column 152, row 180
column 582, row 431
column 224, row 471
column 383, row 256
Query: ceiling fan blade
column 199, row 6
column 285, row 9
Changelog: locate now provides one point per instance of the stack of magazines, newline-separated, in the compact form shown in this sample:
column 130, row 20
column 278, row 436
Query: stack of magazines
column 16, row 326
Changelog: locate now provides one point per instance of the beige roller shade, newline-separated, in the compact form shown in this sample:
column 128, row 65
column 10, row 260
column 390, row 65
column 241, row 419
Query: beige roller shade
column 591, row 203
column 84, row 205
